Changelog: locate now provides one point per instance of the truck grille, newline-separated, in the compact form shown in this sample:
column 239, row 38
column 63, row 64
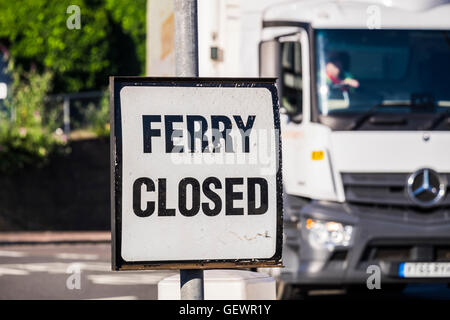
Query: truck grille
column 406, row 252
column 381, row 189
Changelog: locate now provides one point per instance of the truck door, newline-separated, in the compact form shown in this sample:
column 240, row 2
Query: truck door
column 286, row 58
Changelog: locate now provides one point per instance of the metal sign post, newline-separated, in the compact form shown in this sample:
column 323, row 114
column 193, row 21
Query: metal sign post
column 186, row 59
column 186, row 38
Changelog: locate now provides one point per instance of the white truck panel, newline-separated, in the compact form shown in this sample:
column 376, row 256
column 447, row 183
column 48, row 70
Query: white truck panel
column 390, row 151
column 386, row 14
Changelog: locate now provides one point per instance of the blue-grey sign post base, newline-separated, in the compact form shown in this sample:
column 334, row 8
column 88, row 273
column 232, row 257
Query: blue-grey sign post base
column 186, row 59
column 191, row 284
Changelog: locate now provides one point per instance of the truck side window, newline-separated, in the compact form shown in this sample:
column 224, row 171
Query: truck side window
column 291, row 79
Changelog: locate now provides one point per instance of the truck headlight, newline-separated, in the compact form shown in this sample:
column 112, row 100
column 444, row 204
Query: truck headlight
column 328, row 234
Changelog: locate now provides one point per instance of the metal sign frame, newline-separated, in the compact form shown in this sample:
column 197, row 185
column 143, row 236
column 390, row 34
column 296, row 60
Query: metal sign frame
column 116, row 84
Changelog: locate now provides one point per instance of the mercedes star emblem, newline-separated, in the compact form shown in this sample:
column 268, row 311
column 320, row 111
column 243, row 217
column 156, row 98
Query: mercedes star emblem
column 426, row 187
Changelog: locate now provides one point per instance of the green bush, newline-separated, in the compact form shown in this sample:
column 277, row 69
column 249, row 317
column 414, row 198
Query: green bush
column 24, row 137
column 111, row 40
column 99, row 117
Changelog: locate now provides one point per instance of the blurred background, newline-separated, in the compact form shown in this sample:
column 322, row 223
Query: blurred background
column 54, row 109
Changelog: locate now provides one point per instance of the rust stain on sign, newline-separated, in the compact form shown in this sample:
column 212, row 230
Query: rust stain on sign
column 167, row 36
column 208, row 265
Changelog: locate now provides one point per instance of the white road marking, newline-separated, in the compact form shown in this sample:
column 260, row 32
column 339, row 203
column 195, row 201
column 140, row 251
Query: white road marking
column 109, row 278
column 129, row 279
column 13, row 272
column 14, row 254
column 52, row 267
column 77, row 256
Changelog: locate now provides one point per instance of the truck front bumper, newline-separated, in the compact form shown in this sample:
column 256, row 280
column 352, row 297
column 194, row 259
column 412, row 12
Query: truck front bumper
column 383, row 237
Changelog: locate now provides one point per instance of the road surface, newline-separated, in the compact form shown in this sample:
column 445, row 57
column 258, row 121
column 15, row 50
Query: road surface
column 83, row 271
column 80, row 271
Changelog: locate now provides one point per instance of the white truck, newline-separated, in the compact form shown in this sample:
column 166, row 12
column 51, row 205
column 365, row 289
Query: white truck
column 365, row 95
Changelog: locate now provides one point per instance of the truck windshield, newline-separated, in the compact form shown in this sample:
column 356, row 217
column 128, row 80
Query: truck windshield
column 383, row 79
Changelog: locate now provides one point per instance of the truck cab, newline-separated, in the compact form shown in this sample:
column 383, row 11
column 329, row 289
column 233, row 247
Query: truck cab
column 365, row 101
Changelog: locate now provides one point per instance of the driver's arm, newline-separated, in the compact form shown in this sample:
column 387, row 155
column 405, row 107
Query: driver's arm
column 350, row 81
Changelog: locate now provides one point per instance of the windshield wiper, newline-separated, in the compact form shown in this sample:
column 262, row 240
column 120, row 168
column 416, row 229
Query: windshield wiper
column 358, row 122
column 437, row 121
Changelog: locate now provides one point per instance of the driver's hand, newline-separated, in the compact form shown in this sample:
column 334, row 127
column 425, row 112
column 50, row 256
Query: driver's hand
column 351, row 82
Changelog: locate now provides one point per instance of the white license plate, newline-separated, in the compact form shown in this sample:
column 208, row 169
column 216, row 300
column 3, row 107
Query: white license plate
column 424, row 270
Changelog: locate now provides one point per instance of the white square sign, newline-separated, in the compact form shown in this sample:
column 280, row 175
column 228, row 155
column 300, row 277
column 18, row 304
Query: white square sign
column 196, row 173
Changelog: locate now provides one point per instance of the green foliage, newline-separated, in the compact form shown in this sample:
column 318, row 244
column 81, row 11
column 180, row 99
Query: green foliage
column 24, row 137
column 99, row 117
column 111, row 39
column 132, row 18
